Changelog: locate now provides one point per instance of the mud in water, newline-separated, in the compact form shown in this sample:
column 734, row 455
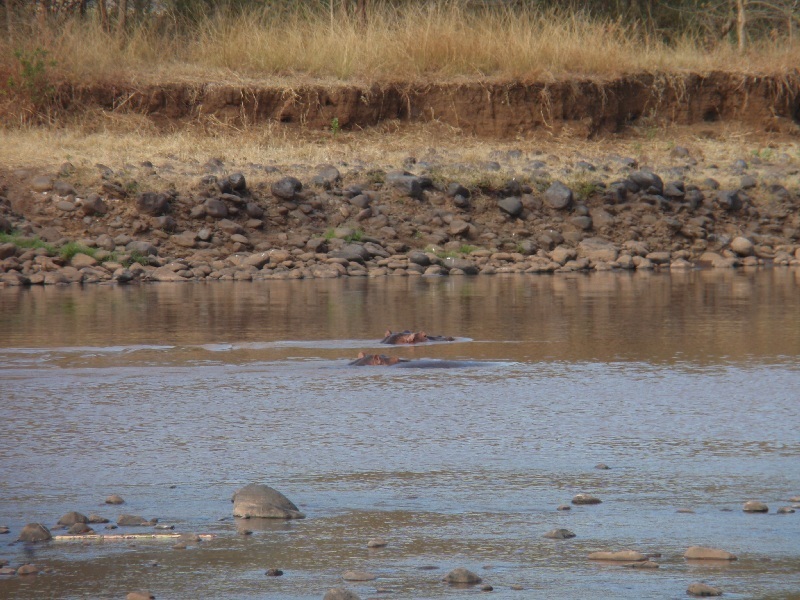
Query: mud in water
column 494, row 109
column 174, row 396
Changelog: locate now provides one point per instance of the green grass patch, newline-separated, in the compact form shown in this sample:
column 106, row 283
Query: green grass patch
column 70, row 249
column 29, row 243
column 356, row 236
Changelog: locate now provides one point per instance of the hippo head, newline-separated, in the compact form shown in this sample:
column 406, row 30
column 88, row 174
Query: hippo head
column 372, row 360
column 404, row 337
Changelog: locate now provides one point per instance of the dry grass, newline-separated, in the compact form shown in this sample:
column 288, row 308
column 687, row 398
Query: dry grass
column 131, row 139
column 435, row 41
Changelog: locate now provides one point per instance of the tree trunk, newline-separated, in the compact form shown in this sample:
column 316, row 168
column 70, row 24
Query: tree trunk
column 741, row 22
column 361, row 9
column 8, row 17
column 122, row 14
column 103, row 9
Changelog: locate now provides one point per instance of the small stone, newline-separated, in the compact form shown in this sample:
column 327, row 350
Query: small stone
column 583, row 499
column 785, row 510
column 602, row 466
column 179, row 546
column 4, row 529
column 702, row 590
column 273, row 573
column 140, row 595
column 516, row 587
column 703, row 553
column 376, row 543
column 559, row 534
column 622, row 555
column 462, row 575
column 754, row 506
column 486, row 587
column 358, row 576
column 564, row 507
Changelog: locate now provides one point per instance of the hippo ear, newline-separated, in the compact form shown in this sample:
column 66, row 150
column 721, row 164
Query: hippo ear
column 388, row 333
column 361, row 355
column 423, row 334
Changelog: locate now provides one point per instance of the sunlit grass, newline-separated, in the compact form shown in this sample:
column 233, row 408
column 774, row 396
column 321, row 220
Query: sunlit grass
column 434, row 41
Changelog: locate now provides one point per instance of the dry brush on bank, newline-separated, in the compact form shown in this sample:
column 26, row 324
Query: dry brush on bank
column 407, row 42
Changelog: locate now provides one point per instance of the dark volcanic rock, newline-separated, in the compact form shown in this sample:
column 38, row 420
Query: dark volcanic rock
column 286, row 188
column 558, row 196
column 151, row 203
column 215, row 208
column 511, row 206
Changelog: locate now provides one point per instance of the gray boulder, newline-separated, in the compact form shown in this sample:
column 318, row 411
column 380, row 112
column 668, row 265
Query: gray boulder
column 143, row 248
column 469, row 267
column 558, row 196
column 511, row 206
column 462, row 575
column 648, row 182
column 35, row 532
column 286, row 188
column 261, row 501
column 73, row 517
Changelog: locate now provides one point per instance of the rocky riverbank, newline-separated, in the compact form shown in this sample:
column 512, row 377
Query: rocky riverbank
column 515, row 212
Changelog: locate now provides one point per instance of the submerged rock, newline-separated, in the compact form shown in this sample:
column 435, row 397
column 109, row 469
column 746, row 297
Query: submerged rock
column 702, row 590
column 340, row 594
column 559, row 534
column 132, row 521
column 462, row 575
column 622, row 555
column 703, row 553
column 358, row 576
column 754, row 506
column 261, row 501
column 581, row 499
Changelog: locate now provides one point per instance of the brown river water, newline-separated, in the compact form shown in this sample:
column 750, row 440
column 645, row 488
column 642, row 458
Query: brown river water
column 175, row 395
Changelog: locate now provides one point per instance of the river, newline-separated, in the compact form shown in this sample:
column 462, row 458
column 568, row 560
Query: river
column 175, row 395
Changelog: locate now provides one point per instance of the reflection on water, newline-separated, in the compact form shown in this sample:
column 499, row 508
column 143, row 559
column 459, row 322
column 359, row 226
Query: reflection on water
column 175, row 395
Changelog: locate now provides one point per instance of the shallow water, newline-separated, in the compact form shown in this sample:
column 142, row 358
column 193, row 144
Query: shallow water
column 173, row 396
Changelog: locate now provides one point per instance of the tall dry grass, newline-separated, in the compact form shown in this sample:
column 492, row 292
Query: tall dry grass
column 434, row 41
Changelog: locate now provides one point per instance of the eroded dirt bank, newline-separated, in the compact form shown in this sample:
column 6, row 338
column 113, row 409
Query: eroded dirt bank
column 491, row 109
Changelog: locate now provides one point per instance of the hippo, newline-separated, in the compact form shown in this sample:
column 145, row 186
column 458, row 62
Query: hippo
column 413, row 337
column 381, row 360
column 373, row 360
